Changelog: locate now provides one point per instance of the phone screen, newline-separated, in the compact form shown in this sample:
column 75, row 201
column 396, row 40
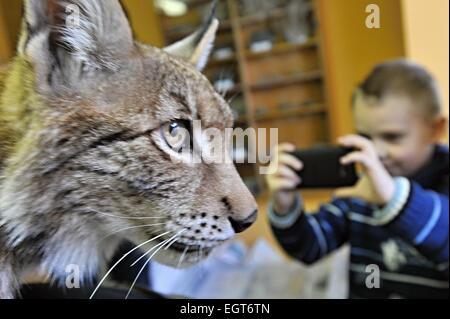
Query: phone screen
column 322, row 168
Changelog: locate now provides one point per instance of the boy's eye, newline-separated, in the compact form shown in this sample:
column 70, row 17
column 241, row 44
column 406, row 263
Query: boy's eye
column 365, row 136
column 177, row 134
column 392, row 137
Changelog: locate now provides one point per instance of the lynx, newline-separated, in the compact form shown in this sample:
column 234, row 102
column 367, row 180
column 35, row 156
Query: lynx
column 89, row 122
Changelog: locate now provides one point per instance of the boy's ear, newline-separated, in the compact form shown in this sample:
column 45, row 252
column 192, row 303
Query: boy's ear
column 440, row 127
column 65, row 39
column 197, row 47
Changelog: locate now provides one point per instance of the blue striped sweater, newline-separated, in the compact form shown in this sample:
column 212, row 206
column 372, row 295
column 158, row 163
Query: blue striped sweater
column 406, row 241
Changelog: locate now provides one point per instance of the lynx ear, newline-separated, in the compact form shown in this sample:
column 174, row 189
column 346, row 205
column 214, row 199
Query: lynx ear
column 67, row 38
column 197, row 47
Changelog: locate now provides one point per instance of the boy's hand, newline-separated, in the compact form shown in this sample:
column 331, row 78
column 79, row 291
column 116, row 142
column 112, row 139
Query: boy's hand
column 283, row 181
column 376, row 186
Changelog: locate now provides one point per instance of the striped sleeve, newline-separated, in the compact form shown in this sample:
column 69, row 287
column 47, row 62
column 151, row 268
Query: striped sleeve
column 309, row 237
column 423, row 221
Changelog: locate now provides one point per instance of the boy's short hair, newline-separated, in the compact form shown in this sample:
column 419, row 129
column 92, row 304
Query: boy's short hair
column 402, row 77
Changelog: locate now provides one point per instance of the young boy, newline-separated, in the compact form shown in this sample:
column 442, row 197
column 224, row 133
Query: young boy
column 396, row 217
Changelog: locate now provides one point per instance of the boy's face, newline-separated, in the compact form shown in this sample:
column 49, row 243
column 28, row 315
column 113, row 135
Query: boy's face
column 402, row 136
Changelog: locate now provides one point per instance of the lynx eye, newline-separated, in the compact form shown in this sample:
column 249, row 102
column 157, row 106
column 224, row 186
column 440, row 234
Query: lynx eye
column 177, row 134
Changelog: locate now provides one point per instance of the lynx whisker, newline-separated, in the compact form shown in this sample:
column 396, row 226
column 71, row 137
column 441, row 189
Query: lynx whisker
column 175, row 236
column 126, row 217
column 122, row 258
column 161, row 245
column 183, row 255
column 128, row 228
column 171, row 243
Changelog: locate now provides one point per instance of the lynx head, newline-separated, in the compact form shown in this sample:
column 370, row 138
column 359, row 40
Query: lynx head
column 104, row 134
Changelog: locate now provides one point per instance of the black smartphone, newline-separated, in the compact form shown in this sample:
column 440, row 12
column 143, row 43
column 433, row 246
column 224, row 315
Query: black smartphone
column 322, row 168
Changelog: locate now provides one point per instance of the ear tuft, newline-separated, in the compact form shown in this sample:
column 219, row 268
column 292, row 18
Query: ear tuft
column 204, row 48
column 198, row 46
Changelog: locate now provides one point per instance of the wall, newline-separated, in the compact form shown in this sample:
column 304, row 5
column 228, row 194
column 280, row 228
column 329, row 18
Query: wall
column 426, row 33
column 10, row 17
column 145, row 21
column 5, row 49
column 351, row 50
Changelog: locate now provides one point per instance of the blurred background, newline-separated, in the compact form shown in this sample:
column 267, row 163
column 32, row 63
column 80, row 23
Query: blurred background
column 287, row 64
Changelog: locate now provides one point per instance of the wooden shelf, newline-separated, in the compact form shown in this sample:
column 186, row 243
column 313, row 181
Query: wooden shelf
column 220, row 62
column 281, row 48
column 234, row 90
column 262, row 17
column 305, row 110
column 175, row 34
column 288, row 80
column 195, row 3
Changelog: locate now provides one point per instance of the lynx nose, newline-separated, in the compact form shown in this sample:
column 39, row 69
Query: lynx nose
column 240, row 225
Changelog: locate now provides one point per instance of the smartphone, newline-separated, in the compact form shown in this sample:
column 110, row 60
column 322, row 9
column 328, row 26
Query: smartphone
column 322, row 168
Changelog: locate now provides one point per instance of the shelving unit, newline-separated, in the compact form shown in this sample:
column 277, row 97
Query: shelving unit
column 282, row 87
